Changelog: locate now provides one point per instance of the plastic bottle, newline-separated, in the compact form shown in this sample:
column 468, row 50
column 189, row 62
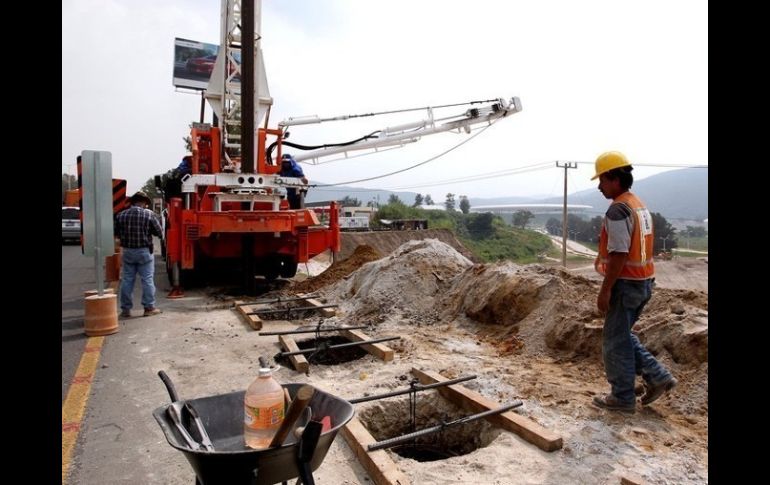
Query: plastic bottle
column 263, row 410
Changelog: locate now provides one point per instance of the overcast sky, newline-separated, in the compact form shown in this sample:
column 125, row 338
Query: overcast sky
column 592, row 76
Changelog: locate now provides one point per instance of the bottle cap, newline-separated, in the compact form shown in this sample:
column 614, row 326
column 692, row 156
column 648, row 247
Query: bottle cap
column 265, row 372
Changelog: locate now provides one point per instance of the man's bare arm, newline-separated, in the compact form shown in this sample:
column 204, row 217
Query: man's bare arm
column 612, row 271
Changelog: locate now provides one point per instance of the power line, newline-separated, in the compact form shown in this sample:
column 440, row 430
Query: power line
column 412, row 166
column 483, row 176
column 674, row 165
column 474, row 178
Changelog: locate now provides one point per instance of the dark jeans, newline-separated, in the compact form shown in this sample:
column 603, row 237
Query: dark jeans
column 624, row 356
column 137, row 261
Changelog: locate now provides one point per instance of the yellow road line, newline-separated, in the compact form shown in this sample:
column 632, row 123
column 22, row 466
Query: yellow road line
column 75, row 404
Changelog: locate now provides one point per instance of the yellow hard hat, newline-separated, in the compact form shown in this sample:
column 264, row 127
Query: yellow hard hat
column 608, row 161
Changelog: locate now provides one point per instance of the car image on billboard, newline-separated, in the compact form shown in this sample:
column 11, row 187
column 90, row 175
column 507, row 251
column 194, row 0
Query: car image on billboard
column 194, row 63
column 201, row 65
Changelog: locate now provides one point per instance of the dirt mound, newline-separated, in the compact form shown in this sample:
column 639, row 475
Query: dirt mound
column 408, row 280
column 387, row 241
column 362, row 254
column 529, row 309
column 551, row 311
column 539, row 308
column 534, row 333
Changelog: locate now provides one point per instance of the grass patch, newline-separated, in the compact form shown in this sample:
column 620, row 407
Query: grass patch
column 512, row 244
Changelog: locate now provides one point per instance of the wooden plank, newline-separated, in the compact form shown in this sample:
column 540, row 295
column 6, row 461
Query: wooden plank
column 299, row 362
column 325, row 312
column 521, row 425
column 378, row 464
column 254, row 321
column 378, row 350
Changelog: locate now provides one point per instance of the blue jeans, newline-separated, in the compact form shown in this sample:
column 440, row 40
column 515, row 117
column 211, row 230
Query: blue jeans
column 137, row 260
column 624, row 356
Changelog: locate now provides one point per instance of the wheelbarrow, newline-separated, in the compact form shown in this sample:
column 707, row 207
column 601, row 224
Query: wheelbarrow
column 231, row 462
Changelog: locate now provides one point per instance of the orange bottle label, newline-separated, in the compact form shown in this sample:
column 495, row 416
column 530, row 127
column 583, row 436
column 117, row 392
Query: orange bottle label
column 263, row 418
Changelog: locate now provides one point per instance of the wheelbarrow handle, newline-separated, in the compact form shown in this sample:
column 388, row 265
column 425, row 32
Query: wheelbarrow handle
column 305, row 451
column 169, row 385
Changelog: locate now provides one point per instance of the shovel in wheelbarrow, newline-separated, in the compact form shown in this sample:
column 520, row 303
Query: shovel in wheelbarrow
column 231, row 462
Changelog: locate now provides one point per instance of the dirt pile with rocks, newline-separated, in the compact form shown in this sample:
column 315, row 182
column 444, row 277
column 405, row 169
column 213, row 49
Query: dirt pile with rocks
column 388, row 241
column 534, row 333
column 409, row 280
column 532, row 308
column 362, row 254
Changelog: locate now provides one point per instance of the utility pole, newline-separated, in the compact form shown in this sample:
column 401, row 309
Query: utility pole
column 564, row 213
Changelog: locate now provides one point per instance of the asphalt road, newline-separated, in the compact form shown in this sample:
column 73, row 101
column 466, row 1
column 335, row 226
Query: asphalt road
column 77, row 276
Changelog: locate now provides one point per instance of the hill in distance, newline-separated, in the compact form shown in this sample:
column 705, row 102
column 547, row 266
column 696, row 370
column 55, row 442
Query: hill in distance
column 677, row 194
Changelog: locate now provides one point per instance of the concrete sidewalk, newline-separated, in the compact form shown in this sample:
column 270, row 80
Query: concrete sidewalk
column 206, row 350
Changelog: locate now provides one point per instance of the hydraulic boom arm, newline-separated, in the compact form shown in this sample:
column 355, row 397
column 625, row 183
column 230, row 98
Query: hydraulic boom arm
column 408, row 132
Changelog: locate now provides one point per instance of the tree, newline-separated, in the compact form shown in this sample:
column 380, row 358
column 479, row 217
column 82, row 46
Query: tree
column 695, row 231
column 450, row 202
column 428, row 200
column 150, row 189
column 465, row 205
column 595, row 229
column 349, row 201
column 665, row 234
column 393, row 199
column 480, row 225
column 417, row 200
column 522, row 218
column 68, row 182
column 553, row 226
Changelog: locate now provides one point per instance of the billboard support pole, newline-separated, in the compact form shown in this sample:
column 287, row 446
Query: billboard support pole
column 203, row 105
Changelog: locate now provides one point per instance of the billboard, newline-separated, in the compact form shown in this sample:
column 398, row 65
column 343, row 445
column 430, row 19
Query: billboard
column 193, row 63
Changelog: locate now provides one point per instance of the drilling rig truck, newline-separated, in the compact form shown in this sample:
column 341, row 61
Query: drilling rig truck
column 232, row 207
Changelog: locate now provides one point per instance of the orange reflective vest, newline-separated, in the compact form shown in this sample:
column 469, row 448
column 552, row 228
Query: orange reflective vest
column 639, row 264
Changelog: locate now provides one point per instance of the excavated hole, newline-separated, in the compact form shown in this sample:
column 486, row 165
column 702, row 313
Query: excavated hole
column 389, row 418
column 288, row 315
column 331, row 356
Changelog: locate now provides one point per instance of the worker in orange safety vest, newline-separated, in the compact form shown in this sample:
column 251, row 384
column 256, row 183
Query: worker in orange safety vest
column 625, row 261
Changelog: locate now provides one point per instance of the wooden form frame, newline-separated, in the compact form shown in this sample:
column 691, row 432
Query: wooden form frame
column 300, row 363
column 243, row 310
column 378, row 464
column 384, row 471
column 521, row 425
column 256, row 323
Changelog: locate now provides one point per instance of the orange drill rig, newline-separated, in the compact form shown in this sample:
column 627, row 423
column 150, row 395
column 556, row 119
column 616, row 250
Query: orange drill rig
column 233, row 204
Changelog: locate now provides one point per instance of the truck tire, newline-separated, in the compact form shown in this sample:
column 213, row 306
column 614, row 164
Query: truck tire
column 288, row 268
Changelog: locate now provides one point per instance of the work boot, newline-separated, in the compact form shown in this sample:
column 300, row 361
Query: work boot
column 148, row 312
column 654, row 392
column 610, row 402
column 125, row 314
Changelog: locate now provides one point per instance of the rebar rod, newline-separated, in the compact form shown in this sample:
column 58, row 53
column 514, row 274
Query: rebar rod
column 417, row 387
column 434, row 429
column 338, row 346
column 279, row 299
column 292, row 332
column 289, row 310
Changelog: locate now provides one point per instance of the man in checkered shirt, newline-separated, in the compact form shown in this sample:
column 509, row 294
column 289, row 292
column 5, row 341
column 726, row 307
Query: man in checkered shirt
column 135, row 227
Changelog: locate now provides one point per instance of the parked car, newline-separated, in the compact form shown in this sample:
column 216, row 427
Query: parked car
column 70, row 223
